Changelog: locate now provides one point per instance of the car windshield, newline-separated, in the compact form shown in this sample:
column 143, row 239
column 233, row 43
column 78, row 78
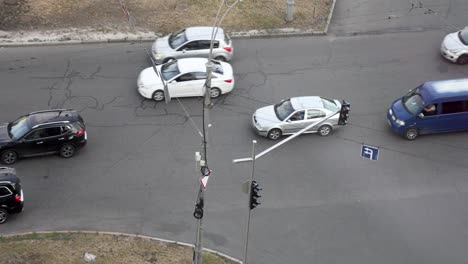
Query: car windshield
column 17, row 129
column 329, row 104
column 177, row 38
column 217, row 67
column 284, row 109
column 413, row 102
column 463, row 35
column 170, row 70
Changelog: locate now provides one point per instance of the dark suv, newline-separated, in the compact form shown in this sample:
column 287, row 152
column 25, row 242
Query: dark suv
column 11, row 194
column 59, row 131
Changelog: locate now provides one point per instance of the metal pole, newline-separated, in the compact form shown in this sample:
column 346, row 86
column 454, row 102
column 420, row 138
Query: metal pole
column 289, row 10
column 198, row 256
column 248, row 206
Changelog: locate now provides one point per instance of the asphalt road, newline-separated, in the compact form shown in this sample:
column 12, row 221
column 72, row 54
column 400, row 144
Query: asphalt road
column 321, row 202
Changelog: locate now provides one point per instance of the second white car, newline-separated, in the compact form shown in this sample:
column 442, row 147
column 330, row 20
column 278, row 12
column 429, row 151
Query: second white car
column 185, row 78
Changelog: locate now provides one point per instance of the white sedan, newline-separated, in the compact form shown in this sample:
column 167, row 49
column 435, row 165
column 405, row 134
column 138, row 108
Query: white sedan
column 185, row 78
column 454, row 47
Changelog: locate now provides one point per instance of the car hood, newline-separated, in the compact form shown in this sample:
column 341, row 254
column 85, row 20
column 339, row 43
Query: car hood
column 452, row 41
column 148, row 77
column 4, row 136
column 266, row 116
column 399, row 111
column 161, row 45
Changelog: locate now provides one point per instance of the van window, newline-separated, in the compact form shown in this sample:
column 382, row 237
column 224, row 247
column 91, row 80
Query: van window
column 454, row 107
column 413, row 102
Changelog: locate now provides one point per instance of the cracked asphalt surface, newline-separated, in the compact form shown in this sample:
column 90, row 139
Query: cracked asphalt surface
column 321, row 202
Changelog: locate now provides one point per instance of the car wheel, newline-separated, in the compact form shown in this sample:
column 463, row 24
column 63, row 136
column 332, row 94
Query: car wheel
column 220, row 58
column 274, row 134
column 158, row 96
column 67, row 151
column 215, row 92
column 166, row 60
column 325, row 130
column 463, row 59
column 3, row 215
column 411, row 133
column 9, row 157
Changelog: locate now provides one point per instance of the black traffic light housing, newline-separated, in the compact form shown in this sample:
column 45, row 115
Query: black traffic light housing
column 198, row 213
column 344, row 113
column 254, row 196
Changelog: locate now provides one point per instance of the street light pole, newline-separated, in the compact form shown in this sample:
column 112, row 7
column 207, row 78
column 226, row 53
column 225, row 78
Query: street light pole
column 254, row 142
column 198, row 249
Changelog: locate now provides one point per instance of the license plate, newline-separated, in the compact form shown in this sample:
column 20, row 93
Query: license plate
column 85, row 135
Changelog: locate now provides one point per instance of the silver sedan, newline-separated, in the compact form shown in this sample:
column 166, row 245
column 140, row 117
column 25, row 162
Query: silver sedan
column 292, row 115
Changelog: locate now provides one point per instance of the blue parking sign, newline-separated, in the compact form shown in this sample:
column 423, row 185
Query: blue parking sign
column 370, row 152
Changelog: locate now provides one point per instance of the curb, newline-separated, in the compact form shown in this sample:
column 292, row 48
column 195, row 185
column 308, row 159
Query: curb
column 128, row 235
column 274, row 33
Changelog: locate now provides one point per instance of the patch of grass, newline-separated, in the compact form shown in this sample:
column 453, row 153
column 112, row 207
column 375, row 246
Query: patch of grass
column 58, row 248
column 210, row 258
column 165, row 16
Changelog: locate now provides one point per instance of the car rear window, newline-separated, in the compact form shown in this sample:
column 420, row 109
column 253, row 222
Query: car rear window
column 227, row 39
column 4, row 191
column 329, row 104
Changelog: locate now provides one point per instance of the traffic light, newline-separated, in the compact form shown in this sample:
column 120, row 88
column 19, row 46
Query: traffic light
column 254, row 189
column 198, row 213
column 344, row 113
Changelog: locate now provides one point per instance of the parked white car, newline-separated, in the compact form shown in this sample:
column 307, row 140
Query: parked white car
column 185, row 78
column 192, row 42
column 455, row 47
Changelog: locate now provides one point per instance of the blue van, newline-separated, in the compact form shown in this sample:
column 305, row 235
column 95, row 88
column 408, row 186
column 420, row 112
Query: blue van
column 433, row 107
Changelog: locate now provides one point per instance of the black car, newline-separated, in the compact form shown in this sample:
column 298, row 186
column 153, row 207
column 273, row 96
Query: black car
column 11, row 194
column 59, row 131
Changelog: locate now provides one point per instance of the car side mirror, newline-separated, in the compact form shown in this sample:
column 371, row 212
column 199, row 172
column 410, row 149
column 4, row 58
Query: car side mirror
column 184, row 50
column 288, row 121
column 421, row 115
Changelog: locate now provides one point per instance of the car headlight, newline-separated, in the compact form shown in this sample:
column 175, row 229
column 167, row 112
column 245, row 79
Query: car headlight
column 400, row 122
column 455, row 50
column 158, row 56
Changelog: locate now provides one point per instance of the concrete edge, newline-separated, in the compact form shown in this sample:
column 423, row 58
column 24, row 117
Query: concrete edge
column 274, row 33
column 128, row 235
column 330, row 15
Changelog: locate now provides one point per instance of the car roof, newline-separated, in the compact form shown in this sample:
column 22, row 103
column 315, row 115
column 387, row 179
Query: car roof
column 305, row 102
column 438, row 91
column 55, row 115
column 8, row 175
column 194, row 33
column 192, row 65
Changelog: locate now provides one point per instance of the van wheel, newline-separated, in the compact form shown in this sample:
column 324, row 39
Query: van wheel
column 3, row 215
column 463, row 59
column 411, row 133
